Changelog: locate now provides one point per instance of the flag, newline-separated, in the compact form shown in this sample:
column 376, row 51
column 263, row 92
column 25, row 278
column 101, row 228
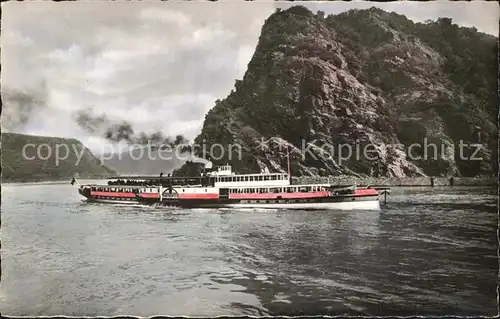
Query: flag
column 73, row 181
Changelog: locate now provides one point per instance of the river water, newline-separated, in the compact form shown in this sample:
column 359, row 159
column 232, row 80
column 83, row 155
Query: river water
column 428, row 252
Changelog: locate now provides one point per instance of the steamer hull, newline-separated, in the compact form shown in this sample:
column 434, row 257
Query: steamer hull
column 118, row 201
column 364, row 200
column 364, row 204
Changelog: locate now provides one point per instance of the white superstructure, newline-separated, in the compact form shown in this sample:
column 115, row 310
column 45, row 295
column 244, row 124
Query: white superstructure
column 225, row 177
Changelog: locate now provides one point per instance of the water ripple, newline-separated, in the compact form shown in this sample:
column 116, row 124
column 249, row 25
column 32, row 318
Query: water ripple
column 429, row 252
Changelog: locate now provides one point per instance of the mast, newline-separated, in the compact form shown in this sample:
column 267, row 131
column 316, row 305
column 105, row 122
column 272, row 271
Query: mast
column 288, row 164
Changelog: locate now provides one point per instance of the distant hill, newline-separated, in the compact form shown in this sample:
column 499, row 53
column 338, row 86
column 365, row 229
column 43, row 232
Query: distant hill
column 44, row 166
column 139, row 162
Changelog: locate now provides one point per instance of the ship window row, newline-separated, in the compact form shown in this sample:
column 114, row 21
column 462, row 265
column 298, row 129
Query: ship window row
column 302, row 189
column 258, row 178
column 124, row 190
column 290, row 201
column 113, row 189
column 116, row 198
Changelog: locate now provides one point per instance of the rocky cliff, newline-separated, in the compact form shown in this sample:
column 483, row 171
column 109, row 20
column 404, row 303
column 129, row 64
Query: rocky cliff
column 28, row 158
column 365, row 93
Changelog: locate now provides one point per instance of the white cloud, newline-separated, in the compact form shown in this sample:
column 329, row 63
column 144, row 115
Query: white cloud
column 245, row 54
column 165, row 16
column 149, row 63
column 209, row 35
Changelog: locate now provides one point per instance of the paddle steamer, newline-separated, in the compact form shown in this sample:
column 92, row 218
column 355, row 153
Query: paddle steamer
column 222, row 188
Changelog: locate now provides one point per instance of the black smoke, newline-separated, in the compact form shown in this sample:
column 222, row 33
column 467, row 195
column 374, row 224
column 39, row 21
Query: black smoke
column 124, row 132
column 21, row 106
column 91, row 123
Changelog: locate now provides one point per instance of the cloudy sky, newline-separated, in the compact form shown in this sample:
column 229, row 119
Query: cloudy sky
column 159, row 65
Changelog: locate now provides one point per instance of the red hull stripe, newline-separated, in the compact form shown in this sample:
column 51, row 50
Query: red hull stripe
column 198, row 196
column 368, row 191
column 149, row 195
column 275, row 195
column 112, row 194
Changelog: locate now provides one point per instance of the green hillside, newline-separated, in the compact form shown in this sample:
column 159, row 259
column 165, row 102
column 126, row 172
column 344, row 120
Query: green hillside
column 39, row 161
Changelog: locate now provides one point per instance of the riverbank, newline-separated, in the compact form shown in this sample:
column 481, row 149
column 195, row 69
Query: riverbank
column 37, row 179
column 399, row 182
column 338, row 180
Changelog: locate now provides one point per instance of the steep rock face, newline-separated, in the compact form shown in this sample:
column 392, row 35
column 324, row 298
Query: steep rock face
column 440, row 81
column 349, row 94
